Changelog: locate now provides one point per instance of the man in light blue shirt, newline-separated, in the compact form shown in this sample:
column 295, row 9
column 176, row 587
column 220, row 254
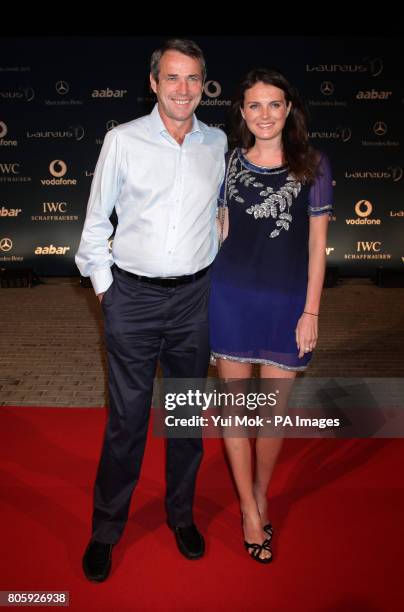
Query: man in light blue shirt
column 162, row 174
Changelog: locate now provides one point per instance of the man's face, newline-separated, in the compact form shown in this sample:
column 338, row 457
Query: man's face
column 179, row 87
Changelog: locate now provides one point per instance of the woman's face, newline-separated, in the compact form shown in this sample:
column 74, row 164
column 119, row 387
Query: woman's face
column 265, row 111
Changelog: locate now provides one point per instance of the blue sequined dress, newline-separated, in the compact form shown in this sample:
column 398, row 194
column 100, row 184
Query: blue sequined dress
column 259, row 277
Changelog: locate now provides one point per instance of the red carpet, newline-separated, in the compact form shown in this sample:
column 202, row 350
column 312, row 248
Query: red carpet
column 337, row 507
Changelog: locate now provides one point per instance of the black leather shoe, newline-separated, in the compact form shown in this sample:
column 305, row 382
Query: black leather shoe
column 189, row 541
column 97, row 561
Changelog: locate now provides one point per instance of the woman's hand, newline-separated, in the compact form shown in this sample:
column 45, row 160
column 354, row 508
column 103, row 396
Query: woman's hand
column 306, row 333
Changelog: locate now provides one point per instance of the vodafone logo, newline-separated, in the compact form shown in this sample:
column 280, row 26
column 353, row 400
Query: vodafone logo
column 57, row 168
column 212, row 89
column 3, row 129
column 363, row 208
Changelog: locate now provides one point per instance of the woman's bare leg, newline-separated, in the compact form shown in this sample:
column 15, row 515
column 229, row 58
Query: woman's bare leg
column 267, row 449
column 239, row 454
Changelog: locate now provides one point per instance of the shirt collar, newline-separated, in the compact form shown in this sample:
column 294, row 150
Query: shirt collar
column 158, row 127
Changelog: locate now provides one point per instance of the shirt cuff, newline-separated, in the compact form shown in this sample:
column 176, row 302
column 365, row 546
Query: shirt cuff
column 101, row 280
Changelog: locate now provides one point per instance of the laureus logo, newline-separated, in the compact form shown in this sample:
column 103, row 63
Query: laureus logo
column 375, row 66
column 29, row 93
column 343, row 134
column 396, row 173
column 212, row 89
column 57, row 168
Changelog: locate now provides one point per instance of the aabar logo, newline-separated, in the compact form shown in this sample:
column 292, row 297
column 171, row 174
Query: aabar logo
column 51, row 250
column 373, row 94
column 374, row 246
column 57, row 168
column 363, row 210
column 10, row 168
column 9, row 212
column 212, row 89
column 109, row 93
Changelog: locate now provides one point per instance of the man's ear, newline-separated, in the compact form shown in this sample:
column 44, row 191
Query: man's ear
column 153, row 84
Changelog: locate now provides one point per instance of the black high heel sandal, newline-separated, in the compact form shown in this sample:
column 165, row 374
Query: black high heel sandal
column 269, row 530
column 256, row 550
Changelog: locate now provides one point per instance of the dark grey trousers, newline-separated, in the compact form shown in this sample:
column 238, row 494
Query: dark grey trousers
column 145, row 323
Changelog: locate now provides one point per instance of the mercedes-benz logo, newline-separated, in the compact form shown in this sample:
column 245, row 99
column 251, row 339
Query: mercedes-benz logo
column 57, row 168
column 111, row 124
column 6, row 244
column 3, row 129
column 380, row 128
column 327, row 88
column 62, row 88
column 212, row 89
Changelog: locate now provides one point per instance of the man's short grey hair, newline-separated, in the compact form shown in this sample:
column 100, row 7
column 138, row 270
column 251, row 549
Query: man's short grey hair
column 182, row 45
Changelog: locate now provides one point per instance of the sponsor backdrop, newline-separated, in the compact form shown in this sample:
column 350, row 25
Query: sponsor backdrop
column 58, row 97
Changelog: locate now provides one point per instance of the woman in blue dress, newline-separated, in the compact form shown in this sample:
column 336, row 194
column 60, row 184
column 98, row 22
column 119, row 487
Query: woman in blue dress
column 268, row 276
